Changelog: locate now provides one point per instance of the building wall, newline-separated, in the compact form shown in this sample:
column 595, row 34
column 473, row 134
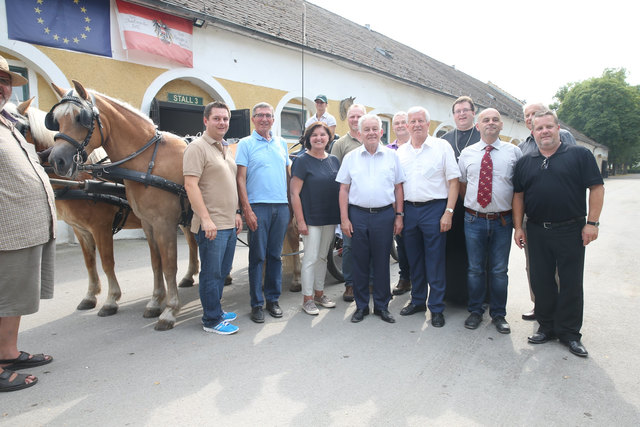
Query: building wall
column 239, row 69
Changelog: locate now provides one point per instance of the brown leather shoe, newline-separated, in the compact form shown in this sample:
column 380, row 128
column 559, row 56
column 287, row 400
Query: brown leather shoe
column 348, row 294
column 295, row 287
column 402, row 287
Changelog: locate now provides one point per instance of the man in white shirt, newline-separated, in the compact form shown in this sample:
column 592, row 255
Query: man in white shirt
column 486, row 169
column 430, row 194
column 321, row 114
column 371, row 180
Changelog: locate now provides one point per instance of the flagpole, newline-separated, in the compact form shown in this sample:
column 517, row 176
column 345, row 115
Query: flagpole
column 304, row 43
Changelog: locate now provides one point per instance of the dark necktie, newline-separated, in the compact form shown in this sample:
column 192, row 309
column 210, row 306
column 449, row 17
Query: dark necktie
column 486, row 177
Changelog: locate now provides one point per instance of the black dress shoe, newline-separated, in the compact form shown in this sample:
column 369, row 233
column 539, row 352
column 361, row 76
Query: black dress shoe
column 410, row 309
column 274, row 309
column 541, row 337
column 473, row 321
column 348, row 294
column 531, row 315
column 501, row 325
column 437, row 320
column 577, row 348
column 385, row 315
column 359, row 314
column 257, row 315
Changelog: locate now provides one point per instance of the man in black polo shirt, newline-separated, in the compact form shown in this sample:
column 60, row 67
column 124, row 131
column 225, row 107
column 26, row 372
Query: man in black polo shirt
column 550, row 187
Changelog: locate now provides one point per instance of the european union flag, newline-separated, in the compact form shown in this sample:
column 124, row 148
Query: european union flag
column 81, row 25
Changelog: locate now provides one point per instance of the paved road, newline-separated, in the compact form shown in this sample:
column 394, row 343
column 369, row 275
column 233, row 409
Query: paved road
column 324, row 370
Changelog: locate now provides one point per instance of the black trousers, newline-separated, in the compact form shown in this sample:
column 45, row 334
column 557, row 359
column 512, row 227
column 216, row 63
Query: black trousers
column 559, row 310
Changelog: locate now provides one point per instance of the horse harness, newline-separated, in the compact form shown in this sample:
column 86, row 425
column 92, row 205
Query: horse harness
column 88, row 116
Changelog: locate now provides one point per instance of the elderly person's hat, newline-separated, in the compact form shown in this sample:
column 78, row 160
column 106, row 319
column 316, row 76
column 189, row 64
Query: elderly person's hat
column 16, row 79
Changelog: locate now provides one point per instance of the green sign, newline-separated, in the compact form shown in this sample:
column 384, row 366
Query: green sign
column 185, row 99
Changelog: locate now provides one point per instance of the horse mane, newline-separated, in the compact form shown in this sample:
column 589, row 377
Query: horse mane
column 40, row 133
column 71, row 108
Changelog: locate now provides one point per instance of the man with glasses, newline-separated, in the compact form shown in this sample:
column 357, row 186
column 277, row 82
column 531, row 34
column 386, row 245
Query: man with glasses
column 527, row 147
column 464, row 135
column 486, row 182
column 550, row 188
column 263, row 171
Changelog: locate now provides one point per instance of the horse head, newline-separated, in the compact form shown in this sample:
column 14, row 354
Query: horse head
column 74, row 118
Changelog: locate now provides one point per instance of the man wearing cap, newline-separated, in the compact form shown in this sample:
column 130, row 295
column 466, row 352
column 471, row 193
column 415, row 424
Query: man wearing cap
column 321, row 115
column 27, row 240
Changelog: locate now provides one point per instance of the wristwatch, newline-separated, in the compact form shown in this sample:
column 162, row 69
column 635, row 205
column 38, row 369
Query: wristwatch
column 399, row 213
column 449, row 210
column 239, row 211
column 594, row 223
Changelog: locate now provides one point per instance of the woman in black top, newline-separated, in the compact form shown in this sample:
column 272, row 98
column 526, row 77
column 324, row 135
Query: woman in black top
column 314, row 198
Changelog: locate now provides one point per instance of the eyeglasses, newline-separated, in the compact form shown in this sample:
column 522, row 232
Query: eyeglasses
column 464, row 110
column 263, row 115
column 545, row 164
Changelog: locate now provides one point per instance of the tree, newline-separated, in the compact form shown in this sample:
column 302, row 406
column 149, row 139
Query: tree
column 607, row 110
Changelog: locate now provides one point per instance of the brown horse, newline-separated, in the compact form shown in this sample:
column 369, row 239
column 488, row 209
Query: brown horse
column 87, row 120
column 92, row 221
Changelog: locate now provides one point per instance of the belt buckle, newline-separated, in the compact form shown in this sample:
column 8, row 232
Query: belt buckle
column 547, row 225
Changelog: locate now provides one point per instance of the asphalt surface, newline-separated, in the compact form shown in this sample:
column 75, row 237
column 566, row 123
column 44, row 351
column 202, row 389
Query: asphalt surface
column 324, row 370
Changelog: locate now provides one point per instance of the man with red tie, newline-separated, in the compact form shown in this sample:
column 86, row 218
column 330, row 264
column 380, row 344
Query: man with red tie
column 486, row 169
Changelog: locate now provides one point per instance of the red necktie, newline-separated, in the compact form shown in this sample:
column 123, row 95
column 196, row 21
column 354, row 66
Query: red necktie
column 486, row 176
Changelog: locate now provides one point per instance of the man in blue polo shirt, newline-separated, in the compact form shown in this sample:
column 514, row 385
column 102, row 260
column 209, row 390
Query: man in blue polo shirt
column 263, row 169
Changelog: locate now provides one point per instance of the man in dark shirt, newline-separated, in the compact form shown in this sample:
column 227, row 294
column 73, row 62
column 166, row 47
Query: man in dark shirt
column 464, row 135
column 529, row 146
column 550, row 187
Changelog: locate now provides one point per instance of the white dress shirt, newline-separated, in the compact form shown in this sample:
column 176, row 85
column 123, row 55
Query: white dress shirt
column 504, row 157
column 372, row 176
column 428, row 169
column 324, row 118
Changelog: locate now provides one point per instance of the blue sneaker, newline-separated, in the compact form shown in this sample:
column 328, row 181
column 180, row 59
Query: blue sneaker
column 229, row 316
column 222, row 328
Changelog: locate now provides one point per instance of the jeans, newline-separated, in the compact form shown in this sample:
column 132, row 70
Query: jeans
column 488, row 244
column 314, row 261
column 216, row 259
column 265, row 246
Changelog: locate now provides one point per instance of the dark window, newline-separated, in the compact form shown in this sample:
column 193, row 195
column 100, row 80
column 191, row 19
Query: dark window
column 22, row 92
column 292, row 123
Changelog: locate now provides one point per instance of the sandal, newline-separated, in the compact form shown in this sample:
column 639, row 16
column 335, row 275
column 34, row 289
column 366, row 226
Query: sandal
column 26, row 360
column 18, row 383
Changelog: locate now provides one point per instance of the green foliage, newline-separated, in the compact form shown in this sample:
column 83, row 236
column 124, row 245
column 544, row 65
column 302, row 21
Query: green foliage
column 606, row 109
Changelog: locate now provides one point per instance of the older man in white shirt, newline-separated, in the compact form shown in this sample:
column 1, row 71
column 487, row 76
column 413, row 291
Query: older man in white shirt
column 487, row 171
column 430, row 194
column 371, row 187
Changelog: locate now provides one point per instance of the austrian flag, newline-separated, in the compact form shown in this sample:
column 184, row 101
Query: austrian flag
column 155, row 32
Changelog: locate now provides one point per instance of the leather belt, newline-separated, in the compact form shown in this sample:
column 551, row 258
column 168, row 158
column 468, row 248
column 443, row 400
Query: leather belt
column 550, row 225
column 420, row 204
column 490, row 215
column 372, row 210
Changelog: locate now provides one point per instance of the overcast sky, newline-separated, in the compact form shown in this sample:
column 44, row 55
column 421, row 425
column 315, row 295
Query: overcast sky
column 529, row 49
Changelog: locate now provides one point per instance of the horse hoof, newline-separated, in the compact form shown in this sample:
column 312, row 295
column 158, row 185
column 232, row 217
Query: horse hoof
column 163, row 325
column 152, row 312
column 185, row 283
column 228, row 280
column 108, row 311
column 86, row 304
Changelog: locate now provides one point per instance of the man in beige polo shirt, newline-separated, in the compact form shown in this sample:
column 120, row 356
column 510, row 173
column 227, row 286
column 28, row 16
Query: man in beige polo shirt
column 210, row 180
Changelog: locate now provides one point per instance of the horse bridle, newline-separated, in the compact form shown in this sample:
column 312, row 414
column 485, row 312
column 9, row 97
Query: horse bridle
column 87, row 118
